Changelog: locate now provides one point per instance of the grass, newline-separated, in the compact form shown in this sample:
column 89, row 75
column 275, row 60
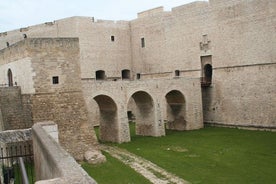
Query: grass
column 211, row 155
column 113, row 171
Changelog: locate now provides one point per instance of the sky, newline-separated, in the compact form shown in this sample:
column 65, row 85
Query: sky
column 15, row 14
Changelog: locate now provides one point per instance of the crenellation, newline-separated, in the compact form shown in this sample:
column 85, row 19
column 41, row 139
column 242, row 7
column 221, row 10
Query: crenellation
column 151, row 12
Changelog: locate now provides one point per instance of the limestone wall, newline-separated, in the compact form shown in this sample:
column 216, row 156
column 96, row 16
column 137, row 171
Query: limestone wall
column 93, row 35
column 237, row 34
column 99, row 52
column 60, row 101
column 245, row 97
column 52, row 163
column 115, row 97
column 13, row 112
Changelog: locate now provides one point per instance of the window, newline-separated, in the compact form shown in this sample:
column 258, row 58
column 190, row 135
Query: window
column 24, row 35
column 10, row 78
column 176, row 73
column 55, row 80
column 125, row 74
column 138, row 76
column 100, row 75
column 142, row 42
column 112, row 38
column 8, row 44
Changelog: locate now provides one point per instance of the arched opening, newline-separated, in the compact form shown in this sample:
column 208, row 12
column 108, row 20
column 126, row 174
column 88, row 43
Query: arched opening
column 100, row 75
column 108, row 119
column 10, row 78
column 125, row 74
column 208, row 72
column 176, row 110
column 141, row 107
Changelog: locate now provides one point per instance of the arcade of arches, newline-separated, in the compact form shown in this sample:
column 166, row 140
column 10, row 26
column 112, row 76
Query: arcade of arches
column 153, row 111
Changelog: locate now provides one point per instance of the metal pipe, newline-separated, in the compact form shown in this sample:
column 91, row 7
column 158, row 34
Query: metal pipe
column 23, row 171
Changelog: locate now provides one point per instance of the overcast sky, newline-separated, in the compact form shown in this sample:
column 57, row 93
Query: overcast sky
column 15, row 14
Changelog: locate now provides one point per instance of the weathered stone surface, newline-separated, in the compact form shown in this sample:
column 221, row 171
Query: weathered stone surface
column 94, row 157
column 53, row 163
column 237, row 38
column 14, row 136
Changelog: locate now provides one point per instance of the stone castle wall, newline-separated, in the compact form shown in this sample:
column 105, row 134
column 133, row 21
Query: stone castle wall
column 14, row 115
column 238, row 35
column 62, row 102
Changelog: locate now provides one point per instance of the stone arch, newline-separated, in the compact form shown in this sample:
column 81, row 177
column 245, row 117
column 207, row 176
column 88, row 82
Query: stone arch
column 10, row 78
column 176, row 110
column 108, row 118
column 143, row 109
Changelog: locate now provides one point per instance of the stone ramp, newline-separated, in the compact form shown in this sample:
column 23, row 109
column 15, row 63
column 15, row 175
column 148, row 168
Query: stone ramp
column 149, row 170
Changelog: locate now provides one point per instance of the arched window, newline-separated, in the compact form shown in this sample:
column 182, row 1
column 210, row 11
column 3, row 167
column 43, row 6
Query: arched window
column 125, row 74
column 100, row 75
column 10, row 80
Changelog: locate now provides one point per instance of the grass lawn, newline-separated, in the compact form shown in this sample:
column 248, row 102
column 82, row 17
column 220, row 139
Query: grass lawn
column 211, row 155
column 113, row 172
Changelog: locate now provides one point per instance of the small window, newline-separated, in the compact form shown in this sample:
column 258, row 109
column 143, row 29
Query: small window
column 176, row 73
column 138, row 76
column 100, row 75
column 142, row 42
column 55, row 80
column 24, row 36
column 8, row 44
column 125, row 74
column 112, row 38
column 10, row 78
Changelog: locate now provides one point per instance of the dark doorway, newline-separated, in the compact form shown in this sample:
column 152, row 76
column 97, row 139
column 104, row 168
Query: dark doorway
column 208, row 72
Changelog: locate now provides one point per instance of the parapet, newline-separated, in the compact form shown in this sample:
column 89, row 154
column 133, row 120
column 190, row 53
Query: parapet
column 151, row 12
column 191, row 7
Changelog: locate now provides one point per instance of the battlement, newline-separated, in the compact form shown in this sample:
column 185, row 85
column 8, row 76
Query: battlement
column 22, row 48
column 151, row 12
column 191, row 7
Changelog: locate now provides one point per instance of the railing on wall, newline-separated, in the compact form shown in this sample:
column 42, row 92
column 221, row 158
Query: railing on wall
column 10, row 163
column 205, row 82
column 8, row 85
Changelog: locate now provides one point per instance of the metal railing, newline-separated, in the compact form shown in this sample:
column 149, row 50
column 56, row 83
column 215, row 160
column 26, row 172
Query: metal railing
column 17, row 165
column 8, row 85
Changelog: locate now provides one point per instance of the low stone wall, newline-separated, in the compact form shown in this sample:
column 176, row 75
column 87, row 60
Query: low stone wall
column 52, row 163
column 14, row 136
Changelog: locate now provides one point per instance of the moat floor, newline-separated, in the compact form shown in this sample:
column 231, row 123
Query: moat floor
column 149, row 170
column 209, row 155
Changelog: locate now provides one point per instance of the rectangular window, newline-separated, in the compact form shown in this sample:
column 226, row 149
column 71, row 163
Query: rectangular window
column 142, row 42
column 112, row 38
column 138, row 76
column 55, row 80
